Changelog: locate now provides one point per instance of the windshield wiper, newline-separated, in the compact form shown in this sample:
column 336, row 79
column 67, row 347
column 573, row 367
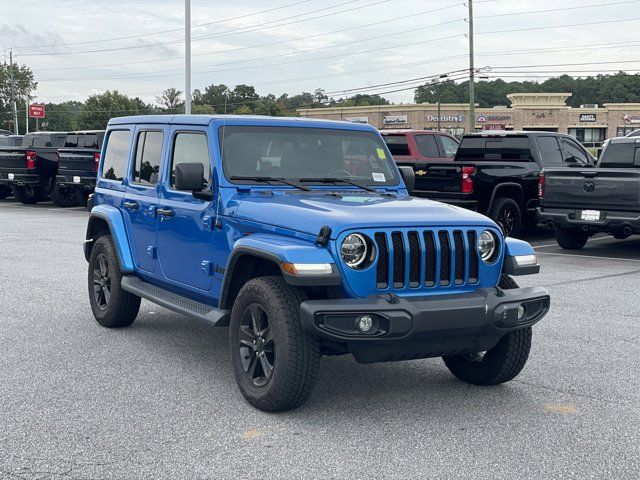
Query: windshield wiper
column 344, row 180
column 264, row 179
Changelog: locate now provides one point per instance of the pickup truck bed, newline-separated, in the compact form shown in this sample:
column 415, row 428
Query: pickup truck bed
column 581, row 202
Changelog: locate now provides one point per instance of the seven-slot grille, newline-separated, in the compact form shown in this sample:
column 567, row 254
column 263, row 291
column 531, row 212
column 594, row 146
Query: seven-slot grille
column 426, row 258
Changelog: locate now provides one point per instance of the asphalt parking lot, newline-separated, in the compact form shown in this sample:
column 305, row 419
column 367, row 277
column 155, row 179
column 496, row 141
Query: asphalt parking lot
column 158, row 400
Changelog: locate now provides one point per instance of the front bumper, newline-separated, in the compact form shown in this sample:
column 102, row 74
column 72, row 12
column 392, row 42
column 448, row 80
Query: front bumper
column 77, row 181
column 20, row 179
column 425, row 326
column 610, row 220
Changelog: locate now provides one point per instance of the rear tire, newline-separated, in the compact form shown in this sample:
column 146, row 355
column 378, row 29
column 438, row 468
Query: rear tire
column 500, row 364
column 5, row 192
column 65, row 197
column 506, row 213
column 112, row 306
column 571, row 238
column 28, row 195
column 274, row 361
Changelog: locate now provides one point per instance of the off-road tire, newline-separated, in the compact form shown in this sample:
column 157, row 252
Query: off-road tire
column 122, row 307
column 27, row 196
column 507, row 206
column 5, row 192
column 571, row 238
column 500, row 364
column 65, row 197
column 297, row 354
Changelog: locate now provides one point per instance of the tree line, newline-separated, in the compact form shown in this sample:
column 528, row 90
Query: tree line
column 96, row 110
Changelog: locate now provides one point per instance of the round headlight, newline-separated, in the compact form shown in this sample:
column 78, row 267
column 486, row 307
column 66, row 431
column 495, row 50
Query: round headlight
column 486, row 245
column 354, row 250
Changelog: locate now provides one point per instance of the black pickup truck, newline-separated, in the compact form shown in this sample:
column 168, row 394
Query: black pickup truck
column 30, row 169
column 8, row 141
column 78, row 163
column 578, row 203
column 497, row 174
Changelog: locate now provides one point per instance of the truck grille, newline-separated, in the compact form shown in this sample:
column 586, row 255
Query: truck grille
column 426, row 258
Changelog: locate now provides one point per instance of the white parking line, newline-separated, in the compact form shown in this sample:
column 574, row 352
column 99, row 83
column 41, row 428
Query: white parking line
column 589, row 256
column 608, row 237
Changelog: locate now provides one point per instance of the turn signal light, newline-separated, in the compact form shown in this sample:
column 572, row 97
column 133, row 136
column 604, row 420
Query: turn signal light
column 467, row 179
column 31, row 159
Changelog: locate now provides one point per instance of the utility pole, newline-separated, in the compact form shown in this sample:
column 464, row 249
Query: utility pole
column 472, row 96
column 187, row 56
column 26, row 114
column 438, row 115
column 13, row 97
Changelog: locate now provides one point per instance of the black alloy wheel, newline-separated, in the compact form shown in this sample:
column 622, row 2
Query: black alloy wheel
column 101, row 282
column 257, row 346
column 507, row 219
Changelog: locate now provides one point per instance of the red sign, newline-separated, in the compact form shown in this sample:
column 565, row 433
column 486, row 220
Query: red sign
column 36, row 111
column 493, row 126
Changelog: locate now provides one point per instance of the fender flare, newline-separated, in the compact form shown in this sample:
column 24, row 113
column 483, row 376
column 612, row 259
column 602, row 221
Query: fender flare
column 518, row 248
column 278, row 249
column 113, row 218
column 502, row 185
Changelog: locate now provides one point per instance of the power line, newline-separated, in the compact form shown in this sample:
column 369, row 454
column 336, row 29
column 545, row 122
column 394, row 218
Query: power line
column 550, row 10
column 164, row 31
column 173, row 42
column 559, row 26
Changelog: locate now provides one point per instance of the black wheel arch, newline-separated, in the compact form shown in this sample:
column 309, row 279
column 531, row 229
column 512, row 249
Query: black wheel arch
column 513, row 190
column 97, row 227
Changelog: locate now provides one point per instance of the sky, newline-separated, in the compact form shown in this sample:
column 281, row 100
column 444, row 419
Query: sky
column 77, row 48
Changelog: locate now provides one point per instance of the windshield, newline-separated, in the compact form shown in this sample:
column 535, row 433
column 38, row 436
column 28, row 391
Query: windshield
column 296, row 153
column 621, row 155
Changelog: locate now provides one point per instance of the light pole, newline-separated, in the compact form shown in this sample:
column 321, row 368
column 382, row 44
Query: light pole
column 187, row 56
column 472, row 96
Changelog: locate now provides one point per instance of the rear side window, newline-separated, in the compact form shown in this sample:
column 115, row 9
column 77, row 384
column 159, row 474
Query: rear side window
column 190, row 147
column 397, row 144
column 621, row 155
column 89, row 140
column 450, row 146
column 148, row 155
column 427, row 146
column 71, row 141
column 573, row 153
column 495, row 148
column 114, row 164
column 549, row 150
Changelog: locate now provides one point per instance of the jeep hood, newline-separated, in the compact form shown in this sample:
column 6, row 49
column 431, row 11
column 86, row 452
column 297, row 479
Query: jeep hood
column 308, row 212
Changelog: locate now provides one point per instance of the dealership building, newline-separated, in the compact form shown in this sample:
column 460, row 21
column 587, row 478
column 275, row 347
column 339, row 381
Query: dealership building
column 590, row 124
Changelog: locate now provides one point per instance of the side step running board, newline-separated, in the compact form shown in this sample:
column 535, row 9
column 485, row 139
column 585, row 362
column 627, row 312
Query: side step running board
column 177, row 303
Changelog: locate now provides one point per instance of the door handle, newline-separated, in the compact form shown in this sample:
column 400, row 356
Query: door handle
column 165, row 212
column 131, row 205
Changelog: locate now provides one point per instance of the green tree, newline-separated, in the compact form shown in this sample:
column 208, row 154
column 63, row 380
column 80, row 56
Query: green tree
column 61, row 117
column 171, row 100
column 215, row 96
column 98, row 109
column 23, row 85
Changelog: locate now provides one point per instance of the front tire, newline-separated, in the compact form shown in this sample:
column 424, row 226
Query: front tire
column 5, row 192
column 571, row 238
column 274, row 361
column 112, row 306
column 65, row 197
column 500, row 364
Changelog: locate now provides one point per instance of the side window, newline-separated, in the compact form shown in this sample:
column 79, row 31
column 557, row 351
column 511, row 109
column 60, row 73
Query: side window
column 71, row 141
column 397, row 144
column 573, row 153
column 190, row 147
column 114, row 165
column 148, row 155
column 549, row 150
column 427, row 146
column 450, row 146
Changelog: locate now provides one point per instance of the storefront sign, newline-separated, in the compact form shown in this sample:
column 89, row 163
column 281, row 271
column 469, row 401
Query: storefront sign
column 631, row 119
column 446, row 118
column 395, row 120
column 357, row 119
column 587, row 117
column 493, row 126
column 493, row 118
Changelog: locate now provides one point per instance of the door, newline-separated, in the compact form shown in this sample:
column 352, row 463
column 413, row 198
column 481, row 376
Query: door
column 141, row 197
column 185, row 224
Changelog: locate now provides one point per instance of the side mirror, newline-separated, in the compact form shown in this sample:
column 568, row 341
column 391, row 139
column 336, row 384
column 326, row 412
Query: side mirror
column 189, row 177
column 409, row 178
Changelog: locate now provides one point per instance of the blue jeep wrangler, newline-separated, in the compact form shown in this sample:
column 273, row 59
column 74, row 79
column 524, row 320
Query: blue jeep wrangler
column 301, row 236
